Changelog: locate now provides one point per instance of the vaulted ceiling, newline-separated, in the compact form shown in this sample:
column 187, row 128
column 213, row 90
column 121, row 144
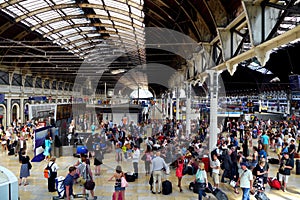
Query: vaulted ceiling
column 90, row 39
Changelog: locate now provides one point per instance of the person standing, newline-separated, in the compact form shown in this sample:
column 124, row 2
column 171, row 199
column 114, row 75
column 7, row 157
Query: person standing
column 265, row 140
column 93, row 128
column 86, row 173
column 47, row 150
column 179, row 170
column 286, row 165
column 51, row 180
column 157, row 165
column 135, row 160
column 227, row 165
column 246, row 181
column 148, row 158
column 98, row 160
column 119, row 190
column 68, row 183
column 24, row 171
column 215, row 165
column 21, row 146
column 201, row 179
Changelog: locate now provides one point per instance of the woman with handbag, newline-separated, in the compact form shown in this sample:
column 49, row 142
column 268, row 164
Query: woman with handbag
column 119, row 190
column 201, row 180
column 87, row 174
column 24, row 171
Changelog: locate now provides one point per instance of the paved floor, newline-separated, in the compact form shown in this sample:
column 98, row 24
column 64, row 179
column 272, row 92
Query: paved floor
column 37, row 188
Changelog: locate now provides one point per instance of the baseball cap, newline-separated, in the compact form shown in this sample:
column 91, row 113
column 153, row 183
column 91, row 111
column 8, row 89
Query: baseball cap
column 244, row 163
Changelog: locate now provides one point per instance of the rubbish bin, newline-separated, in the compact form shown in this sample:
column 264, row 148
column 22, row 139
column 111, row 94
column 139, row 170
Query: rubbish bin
column 298, row 167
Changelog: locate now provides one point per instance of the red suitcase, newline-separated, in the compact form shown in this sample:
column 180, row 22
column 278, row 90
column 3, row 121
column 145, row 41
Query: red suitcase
column 274, row 183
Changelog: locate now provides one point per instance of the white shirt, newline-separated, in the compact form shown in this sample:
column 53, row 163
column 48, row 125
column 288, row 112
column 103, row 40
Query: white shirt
column 54, row 167
column 215, row 163
column 245, row 178
column 136, row 156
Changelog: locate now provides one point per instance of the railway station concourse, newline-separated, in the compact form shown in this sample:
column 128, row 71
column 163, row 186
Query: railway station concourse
column 89, row 62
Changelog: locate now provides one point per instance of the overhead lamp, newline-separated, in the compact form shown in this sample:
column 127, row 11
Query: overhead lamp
column 117, row 71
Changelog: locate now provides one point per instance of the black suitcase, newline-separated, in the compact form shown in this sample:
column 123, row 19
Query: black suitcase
column 219, row 194
column 194, row 187
column 261, row 196
column 298, row 167
column 130, row 177
column 166, row 187
column 274, row 161
column 11, row 151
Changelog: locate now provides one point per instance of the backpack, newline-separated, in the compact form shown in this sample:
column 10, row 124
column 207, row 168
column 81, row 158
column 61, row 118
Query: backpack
column 48, row 171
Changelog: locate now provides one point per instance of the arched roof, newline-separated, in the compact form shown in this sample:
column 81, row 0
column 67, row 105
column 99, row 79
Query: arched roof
column 54, row 37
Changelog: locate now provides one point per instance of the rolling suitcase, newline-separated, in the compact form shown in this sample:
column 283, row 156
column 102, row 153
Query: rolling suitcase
column 166, row 187
column 219, row 194
column 261, row 196
column 274, row 183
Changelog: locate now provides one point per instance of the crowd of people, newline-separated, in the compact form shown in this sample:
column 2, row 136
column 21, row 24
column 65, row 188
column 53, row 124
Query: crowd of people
column 236, row 159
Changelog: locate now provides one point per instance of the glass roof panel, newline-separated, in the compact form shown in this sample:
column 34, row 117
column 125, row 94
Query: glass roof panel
column 106, row 21
column 136, row 11
column 116, row 4
column 92, row 34
column 124, row 25
column 54, row 36
column 58, row 2
column 80, row 20
column 72, row 11
column 33, row 5
column 120, row 16
column 87, row 28
column 48, row 15
column 100, row 12
column 141, row 24
column 14, row 11
column 30, row 21
column 95, row 2
column 75, row 37
column 67, row 32
column 58, row 25
column 44, row 29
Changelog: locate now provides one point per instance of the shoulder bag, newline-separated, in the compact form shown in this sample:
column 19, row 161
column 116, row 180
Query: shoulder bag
column 124, row 183
column 89, row 184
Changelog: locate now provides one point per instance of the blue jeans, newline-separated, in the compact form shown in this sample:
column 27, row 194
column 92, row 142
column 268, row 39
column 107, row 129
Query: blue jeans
column 246, row 193
column 201, row 193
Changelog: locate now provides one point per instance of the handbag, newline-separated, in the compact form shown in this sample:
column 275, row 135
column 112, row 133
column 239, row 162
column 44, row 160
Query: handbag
column 232, row 183
column 29, row 165
column 89, row 185
column 124, row 183
column 143, row 158
column 202, row 186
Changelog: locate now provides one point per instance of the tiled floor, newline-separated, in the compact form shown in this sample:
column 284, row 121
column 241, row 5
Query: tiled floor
column 139, row 190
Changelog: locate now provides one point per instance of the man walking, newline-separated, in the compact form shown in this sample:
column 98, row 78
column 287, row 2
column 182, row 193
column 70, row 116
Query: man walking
column 286, row 165
column 157, row 165
column 246, row 181
column 68, row 182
